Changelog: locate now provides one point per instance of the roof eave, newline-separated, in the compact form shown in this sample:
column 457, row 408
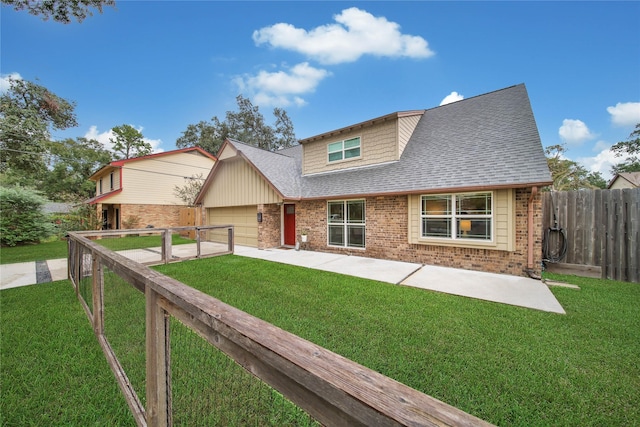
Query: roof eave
column 433, row 191
column 101, row 197
column 102, row 171
column 367, row 123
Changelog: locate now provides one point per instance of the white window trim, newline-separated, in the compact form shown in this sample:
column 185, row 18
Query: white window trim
column 454, row 216
column 346, row 223
column 343, row 159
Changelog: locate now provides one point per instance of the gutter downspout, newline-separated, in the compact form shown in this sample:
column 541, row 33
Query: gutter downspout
column 529, row 271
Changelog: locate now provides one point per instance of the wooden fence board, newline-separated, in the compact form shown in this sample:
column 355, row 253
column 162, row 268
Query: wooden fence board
column 603, row 229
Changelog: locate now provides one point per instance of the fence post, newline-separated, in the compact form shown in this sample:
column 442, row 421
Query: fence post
column 230, row 239
column 198, row 242
column 158, row 362
column 98, row 295
column 166, row 246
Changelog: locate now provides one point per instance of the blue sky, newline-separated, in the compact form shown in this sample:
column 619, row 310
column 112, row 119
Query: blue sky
column 162, row 65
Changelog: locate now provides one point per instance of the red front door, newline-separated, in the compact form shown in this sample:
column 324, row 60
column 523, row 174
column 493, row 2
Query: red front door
column 290, row 225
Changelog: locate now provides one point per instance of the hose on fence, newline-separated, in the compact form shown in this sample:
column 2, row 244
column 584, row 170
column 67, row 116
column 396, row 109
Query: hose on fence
column 559, row 236
column 561, row 241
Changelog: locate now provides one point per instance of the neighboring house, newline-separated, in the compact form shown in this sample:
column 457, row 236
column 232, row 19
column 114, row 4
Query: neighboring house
column 57, row 208
column 457, row 185
column 625, row 180
column 139, row 192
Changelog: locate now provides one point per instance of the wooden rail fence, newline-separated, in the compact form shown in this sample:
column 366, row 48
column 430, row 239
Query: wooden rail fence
column 333, row 390
column 602, row 229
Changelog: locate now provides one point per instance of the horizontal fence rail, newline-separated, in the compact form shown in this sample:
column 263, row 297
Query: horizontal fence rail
column 602, row 229
column 208, row 240
column 331, row 389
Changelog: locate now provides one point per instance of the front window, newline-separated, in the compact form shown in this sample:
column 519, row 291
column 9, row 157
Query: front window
column 344, row 150
column 346, row 222
column 457, row 216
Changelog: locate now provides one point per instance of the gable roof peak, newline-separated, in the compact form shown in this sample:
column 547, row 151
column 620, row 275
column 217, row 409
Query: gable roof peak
column 393, row 116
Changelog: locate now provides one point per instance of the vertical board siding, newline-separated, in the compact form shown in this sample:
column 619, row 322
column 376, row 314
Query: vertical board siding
column 249, row 188
column 602, row 226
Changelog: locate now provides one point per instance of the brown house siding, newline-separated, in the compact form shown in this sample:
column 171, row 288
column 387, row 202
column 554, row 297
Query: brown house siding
column 160, row 216
column 387, row 238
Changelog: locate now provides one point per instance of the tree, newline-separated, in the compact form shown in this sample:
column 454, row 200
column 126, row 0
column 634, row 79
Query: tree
column 631, row 147
column 203, row 135
column 71, row 164
column 60, row 10
column 246, row 125
column 188, row 192
column 284, row 128
column 129, row 142
column 28, row 114
column 569, row 175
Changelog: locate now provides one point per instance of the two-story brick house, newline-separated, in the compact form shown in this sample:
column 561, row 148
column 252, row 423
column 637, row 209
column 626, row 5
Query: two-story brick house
column 140, row 190
column 457, row 185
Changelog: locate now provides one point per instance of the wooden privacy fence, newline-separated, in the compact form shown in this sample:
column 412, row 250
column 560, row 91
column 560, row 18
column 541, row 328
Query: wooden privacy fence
column 189, row 217
column 602, row 232
column 333, row 390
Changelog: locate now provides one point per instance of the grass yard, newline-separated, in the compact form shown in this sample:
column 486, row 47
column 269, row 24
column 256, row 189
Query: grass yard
column 508, row 365
column 53, row 370
column 58, row 248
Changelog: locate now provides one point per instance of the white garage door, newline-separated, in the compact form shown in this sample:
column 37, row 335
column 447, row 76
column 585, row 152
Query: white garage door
column 244, row 219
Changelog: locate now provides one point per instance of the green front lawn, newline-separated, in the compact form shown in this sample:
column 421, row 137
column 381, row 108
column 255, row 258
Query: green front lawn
column 53, row 371
column 25, row 253
column 508, row 365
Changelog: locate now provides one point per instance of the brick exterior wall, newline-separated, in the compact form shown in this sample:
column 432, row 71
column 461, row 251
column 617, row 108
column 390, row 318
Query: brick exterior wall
column 160, row 216
column 387, row 237
column 269, row 229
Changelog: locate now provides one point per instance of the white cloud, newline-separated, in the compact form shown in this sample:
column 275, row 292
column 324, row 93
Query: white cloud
column 452, row 97
column 355, row 33
column 574, row 131
column 625, row 113
column 104, row 139
column 601, row 146
column 282, row 88
column 602, row 162
column 4, row 81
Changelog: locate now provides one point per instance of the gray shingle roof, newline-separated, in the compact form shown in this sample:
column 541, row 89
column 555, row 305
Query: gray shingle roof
column 282, row 169
column 488, row 141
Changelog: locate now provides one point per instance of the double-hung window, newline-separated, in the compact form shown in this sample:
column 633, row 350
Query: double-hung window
column 457, row 216
column 346, row 223
column 344, row 150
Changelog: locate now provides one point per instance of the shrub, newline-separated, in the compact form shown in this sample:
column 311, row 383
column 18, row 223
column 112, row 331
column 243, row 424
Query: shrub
column 22, row 220
column 82, row 217
column 131, row 222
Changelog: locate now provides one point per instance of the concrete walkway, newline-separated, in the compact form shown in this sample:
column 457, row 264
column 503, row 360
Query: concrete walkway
column 32, row 273
column 500, row 288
